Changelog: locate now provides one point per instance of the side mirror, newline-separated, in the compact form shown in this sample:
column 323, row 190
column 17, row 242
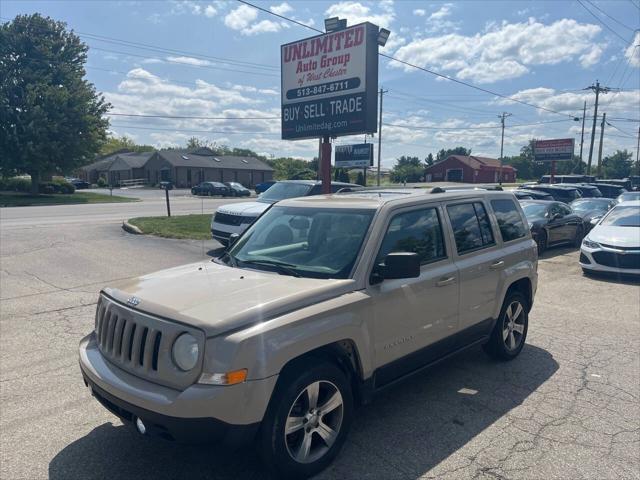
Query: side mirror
column 556, row 216
column 233, row 238
column 401, row 265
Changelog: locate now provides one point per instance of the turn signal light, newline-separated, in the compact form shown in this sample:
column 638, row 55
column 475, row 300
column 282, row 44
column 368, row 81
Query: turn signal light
column 229, row 378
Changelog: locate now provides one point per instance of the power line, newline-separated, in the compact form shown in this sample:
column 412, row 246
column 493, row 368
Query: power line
column 423, row 127
column 440, row 75
column 192, row 131
column 602, row 22
column 187, row 117
column 609, row 16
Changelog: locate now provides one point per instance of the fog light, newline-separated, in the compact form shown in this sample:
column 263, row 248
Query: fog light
column 140, row 426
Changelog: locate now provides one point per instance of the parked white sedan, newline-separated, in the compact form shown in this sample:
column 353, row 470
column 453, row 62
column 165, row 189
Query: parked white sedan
column 613, row 245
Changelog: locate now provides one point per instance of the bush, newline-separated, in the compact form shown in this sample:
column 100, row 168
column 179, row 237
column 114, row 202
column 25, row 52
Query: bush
column 102, row 183
column 56, row 186
column 15, row 184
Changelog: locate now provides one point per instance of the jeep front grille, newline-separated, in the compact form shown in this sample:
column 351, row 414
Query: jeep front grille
column 141, row 344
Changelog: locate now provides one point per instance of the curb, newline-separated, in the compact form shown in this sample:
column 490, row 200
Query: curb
column 127, row 227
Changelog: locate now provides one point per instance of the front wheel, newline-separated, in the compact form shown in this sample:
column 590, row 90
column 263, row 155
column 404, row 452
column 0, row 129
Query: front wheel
column 541, row 240
column 307, row 421
column 510, row 332
column 577, row 240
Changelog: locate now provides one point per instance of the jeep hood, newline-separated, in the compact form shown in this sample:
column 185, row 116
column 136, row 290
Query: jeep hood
column 247, row 209
column 217, row 298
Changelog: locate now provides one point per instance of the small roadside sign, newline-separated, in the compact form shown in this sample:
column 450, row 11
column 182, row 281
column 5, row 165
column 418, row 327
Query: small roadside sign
column 352, row 156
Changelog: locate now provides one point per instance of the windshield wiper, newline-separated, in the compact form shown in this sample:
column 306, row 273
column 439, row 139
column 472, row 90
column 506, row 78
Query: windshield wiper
column 227, row 259
column 282, row 267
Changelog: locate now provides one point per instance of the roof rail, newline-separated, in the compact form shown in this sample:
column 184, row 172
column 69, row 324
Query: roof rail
column 466, row 187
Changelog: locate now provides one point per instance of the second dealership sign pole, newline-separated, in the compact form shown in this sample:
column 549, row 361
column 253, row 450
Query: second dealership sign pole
column 329, row 87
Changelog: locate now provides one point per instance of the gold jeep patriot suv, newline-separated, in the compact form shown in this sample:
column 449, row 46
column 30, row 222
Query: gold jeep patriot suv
column 318, row 305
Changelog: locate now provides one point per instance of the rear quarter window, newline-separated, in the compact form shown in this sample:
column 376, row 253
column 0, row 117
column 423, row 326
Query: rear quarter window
column 509, row 219
column 471, row 227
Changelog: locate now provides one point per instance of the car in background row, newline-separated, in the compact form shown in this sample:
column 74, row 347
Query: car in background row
column 237, row 189
column 524, row 194
column 237, row 217
column 588, row 191
column 628, row 196
column 575, row 178
column 552, row 223
column 560, row 193
column 78, row 183
column 618, row 182
column 263, row 187
column 609, row 190
column 613, row 246
column 210, row 189
column 591, row 210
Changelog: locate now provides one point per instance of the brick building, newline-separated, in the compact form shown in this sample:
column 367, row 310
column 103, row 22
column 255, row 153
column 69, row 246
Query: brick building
column 469, row 169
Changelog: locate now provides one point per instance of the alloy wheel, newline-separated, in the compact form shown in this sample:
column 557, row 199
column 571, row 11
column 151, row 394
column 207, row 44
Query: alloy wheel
column 513, row 325
column 314, row 422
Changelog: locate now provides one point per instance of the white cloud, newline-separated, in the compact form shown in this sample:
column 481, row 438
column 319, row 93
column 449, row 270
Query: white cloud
column 281, row 9
column 632, row 53
column 243, row 19
column 189, row 60
column 210, row 11
column 356, row 12
column 504, row 51
column 240, row 18
column 442, row 12
column 419, row 12
column 592, row 57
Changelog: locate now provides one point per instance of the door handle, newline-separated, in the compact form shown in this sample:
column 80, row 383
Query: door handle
column 444, row 281
column 497, row 265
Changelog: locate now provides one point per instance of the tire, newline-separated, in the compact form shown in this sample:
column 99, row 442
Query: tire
column 510, row 331
column 577, row 240
column 541, row 241
column 284, row 454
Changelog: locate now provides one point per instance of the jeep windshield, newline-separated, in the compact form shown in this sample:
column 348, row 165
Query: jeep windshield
column 304, row 242
column 281, row 190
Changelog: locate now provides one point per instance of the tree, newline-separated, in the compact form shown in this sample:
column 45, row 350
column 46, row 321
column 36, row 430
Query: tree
column 115, row 144
column 617, row 165
column 444, row 154
column 360, row 179
column 429, row 160
column 407, row 169
column 53, row 119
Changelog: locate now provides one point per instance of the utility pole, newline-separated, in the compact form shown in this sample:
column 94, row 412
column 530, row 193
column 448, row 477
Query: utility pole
column 382, row 92
column 584, row 114
column 604, row 120
column 638, row 154
column 502, row 117
column 596, row 88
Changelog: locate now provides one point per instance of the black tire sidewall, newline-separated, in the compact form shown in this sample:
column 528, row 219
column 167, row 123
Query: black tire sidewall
column 543, row 240
column 496, row 345
column 272, row 446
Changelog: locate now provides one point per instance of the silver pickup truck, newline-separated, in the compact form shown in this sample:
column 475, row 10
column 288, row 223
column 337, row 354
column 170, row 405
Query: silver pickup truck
column 321, row 303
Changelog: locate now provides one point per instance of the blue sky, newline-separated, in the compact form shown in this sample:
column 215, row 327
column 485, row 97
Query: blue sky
column 220, row 58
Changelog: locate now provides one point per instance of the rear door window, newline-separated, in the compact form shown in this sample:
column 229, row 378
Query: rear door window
column 509, row 219
column 471, row 226
column 418, row 231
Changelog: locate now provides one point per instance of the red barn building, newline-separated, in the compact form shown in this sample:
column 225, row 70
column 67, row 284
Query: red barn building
column 470, row 169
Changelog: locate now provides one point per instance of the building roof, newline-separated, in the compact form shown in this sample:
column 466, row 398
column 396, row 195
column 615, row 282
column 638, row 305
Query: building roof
column 101, row 165
column 126, row 161
column 476, row 162
column 204, row 158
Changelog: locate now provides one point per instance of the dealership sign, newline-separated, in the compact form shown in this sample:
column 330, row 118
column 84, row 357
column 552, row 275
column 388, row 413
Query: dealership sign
column 553, row 150
column 329, row 84
column 349, row 156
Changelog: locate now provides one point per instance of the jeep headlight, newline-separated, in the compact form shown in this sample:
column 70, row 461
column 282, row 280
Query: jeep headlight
column 185, row 352
column 589, row 244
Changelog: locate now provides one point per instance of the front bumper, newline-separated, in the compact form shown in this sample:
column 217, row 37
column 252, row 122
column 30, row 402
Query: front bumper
column 225, row 414
column 588, row 261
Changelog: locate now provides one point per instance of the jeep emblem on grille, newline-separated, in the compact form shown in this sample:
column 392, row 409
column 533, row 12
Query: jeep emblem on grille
column 133, row 301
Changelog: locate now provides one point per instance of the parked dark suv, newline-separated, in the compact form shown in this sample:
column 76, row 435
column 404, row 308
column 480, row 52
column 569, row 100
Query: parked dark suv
column 560, row 193
column 609, row 190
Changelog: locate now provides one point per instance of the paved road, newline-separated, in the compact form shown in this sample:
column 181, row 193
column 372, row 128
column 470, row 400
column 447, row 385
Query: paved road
column 568, row 407
column 152, row 203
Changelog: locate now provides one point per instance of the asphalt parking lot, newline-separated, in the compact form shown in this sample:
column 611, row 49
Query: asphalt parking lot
column 567, row 408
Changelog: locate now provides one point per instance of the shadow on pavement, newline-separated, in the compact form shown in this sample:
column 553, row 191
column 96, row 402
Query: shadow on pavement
column 414, row 426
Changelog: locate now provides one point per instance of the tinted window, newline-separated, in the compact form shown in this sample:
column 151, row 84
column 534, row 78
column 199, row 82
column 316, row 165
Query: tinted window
column 471, row 226
column 509, row 219
column 565, row 210
column 281, row 190
column 419, row 231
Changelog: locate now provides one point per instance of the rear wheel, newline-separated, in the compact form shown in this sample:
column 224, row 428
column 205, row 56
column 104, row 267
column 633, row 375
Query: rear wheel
column 307, row 421
column 510, row 332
